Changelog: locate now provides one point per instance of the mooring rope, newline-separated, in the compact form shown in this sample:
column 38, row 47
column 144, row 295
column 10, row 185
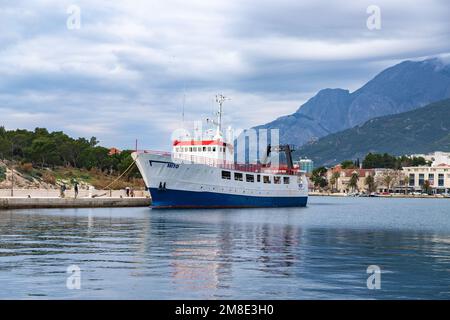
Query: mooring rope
column 121, row 175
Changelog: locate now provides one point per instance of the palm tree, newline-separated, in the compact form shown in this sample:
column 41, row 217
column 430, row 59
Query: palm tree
column 335, row 179
column 387, row 179
column 353, row 183
column 405, row 181
column 370, row 183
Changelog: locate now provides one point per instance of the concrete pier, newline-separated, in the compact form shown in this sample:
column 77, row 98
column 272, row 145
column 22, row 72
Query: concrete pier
column 29, row 203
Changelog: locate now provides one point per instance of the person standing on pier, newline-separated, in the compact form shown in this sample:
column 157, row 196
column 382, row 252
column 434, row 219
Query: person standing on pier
column 75, row 188
column 62, row 190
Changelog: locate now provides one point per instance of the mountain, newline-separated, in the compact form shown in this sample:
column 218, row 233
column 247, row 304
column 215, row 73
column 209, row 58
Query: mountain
column 403, row 87
column 422, row 130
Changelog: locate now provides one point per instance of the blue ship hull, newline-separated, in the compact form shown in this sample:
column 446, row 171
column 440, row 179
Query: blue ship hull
column 191, row 199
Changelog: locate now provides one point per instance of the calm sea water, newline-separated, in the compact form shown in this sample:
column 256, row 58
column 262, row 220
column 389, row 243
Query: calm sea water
column 318, row 252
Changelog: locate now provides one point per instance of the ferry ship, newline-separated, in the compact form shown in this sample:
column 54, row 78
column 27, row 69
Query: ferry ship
column 202, row 173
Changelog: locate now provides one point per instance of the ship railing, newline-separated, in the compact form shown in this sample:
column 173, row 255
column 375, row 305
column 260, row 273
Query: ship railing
column 156, row 152
column 224, row 163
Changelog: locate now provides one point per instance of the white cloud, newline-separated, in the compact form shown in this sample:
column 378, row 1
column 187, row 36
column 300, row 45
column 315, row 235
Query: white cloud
column 121, row 76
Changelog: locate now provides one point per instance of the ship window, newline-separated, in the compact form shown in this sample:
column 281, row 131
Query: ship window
column 190, row 149
column 250, row 178
column 258, row 178
column 226, row 175
column 266, row 179
column 286, row 180
column 204, row 149
column 214, row 149
column 209, row 148
column 276, row 179
column 238, row 176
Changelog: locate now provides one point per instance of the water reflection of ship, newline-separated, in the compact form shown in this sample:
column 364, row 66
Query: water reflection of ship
column 207, row 264
column 194, row 264
column 278, row 247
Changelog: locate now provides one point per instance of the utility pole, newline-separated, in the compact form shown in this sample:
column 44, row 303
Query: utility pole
column 12, row 181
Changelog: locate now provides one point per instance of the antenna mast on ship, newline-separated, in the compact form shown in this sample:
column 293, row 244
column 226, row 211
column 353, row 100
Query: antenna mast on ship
column 220, row 99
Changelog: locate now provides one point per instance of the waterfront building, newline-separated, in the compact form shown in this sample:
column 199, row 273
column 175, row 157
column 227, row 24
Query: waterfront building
column 305, row 164
column 385, row 180
column 113, row 151
column 343, row 177
column 437, row 175
column 390, row 180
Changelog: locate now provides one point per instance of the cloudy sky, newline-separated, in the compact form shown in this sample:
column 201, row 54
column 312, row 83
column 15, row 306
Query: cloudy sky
column 122, row 75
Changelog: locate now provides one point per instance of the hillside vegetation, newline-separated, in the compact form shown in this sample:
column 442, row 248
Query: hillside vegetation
column 45, row 159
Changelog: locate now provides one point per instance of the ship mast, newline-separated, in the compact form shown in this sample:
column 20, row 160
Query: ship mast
column 220, row 99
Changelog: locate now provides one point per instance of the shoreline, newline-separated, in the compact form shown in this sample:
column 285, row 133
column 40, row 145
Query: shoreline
column 41, row 201
column 7, row 203
column 397, row 196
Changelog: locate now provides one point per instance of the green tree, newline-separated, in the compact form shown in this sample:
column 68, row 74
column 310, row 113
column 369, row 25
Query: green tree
column 353, row 182
column 370, row 183
column 335, row 179
column 44, row 148
column 2, row 173
column 42, row 151
column 318, row 177
column 375, row 160
column 348, row 164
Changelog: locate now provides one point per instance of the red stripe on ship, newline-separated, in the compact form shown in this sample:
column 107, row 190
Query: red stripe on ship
column 199, row 143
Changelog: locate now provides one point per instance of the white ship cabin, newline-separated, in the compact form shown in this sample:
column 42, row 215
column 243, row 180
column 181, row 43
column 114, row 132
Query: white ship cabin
column 211, row 152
